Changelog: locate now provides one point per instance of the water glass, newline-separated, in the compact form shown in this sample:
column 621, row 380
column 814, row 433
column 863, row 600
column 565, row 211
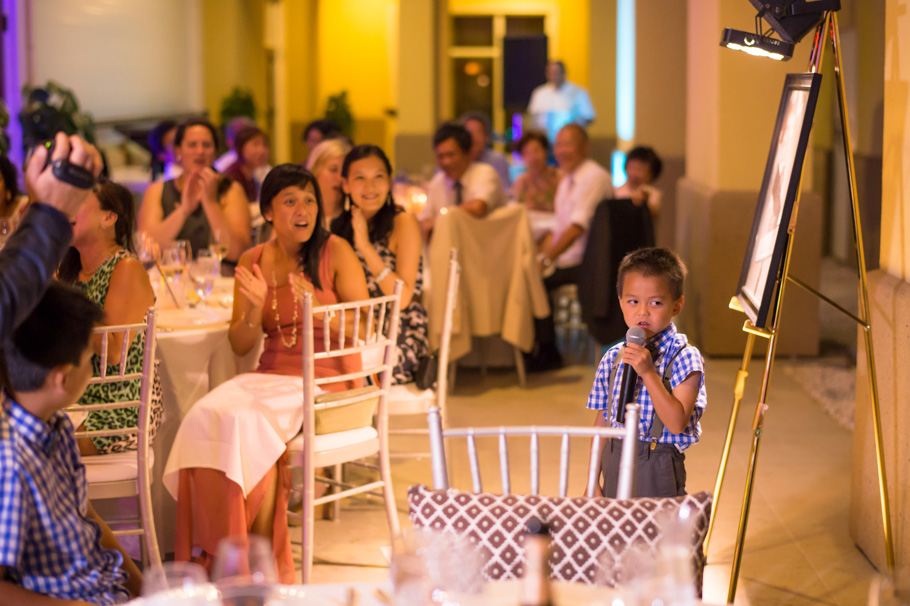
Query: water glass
column 244, row 570
column 177, row 583
column 887, row 591
column 205, row 270
column 432, row 567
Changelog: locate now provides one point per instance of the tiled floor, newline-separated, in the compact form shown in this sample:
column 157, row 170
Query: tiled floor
column 797, row 550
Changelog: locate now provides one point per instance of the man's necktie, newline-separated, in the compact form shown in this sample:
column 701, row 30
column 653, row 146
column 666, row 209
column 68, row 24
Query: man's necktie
column 457, row 187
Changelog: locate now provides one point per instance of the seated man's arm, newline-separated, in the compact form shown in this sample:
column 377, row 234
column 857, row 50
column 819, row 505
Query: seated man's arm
column 14, row 594
column 564, row 241
column 109, row 541
column 484, row 193
column 586, row 196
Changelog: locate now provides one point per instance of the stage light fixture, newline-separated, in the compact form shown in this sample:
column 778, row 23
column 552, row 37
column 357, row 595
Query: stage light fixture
column 754, row 44
column 793, row 19
column 789, row 19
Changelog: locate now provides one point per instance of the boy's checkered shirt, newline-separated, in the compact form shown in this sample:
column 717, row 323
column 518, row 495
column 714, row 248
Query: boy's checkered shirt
column 46, row 542
column 689, row 360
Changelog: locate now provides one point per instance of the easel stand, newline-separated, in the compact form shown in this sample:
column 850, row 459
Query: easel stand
column 828, row 27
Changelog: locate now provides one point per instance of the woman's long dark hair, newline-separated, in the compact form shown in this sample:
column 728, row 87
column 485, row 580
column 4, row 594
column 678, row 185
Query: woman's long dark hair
column 294, row 175
column 383, row 221
column 114, row 198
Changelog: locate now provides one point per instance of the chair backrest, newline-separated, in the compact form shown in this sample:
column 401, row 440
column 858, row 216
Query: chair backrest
column 368, row 329
column 617, row 228
column 143, row 404
column 442, row 386
column 146, row 376
column 629, row 435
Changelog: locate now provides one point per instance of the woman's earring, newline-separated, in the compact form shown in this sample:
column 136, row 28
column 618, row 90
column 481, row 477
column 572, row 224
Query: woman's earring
column 347, row 203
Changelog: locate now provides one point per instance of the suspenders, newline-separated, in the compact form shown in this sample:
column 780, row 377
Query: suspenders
column 657, row 426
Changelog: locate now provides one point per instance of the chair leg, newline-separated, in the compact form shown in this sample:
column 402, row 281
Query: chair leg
column 520, row 367
column 307, row 524
column 336, row 505
column 453, row 372
column 388, row 494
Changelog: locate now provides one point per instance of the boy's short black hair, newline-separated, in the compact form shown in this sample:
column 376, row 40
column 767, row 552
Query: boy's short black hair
column 649, row 157
column 654, row 262
column 56, row 332
column 453, row 130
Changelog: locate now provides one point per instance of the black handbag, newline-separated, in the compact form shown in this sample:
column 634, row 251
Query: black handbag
column 427, row 372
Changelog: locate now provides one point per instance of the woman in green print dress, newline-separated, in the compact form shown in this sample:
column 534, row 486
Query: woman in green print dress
column 101, row 265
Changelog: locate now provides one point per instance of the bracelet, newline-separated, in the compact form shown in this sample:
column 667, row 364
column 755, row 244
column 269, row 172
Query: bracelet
column 382, row 275
column 247, row 322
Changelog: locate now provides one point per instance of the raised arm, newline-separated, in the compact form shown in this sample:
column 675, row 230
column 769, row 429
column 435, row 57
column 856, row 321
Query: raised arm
column 408, row 246
column 230, row 213
column 33, row 252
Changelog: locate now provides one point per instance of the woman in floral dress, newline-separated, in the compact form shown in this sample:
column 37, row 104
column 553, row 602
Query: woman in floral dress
column 388, row 242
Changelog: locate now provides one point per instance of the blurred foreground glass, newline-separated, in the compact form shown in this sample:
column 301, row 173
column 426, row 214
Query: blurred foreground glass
column 183, row 583
column 434, row 568
column 244, row 571
column 887, row 591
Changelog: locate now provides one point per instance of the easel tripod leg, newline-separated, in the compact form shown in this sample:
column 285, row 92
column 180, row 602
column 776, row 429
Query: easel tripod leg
column 738, row 391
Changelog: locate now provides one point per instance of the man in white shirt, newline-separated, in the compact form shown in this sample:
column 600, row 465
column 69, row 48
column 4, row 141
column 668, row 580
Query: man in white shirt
column 585, row 185
column 558, row 102
column 473, row 187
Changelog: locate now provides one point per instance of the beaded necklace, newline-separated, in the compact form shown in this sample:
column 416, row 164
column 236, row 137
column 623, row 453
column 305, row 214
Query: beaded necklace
column 293, row 341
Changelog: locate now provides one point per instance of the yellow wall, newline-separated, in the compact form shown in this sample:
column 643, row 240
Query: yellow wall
column 233, row 53
column 357, row 52
column 895, row 250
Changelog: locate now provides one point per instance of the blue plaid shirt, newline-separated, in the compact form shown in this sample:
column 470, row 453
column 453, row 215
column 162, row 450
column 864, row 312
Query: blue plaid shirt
column 46, row 542
column 667, row 344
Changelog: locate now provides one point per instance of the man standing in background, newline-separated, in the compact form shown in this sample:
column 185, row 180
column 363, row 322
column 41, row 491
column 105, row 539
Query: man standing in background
column 558, row 102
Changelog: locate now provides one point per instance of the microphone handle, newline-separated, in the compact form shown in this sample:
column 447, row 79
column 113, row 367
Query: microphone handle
column 626, row 391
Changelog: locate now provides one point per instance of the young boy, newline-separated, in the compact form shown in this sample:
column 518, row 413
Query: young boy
column 54, row 549
column 650, row 287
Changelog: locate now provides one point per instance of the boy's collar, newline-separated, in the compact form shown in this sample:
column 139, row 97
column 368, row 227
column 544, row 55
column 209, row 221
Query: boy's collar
column 656, row 343
column 44, row 434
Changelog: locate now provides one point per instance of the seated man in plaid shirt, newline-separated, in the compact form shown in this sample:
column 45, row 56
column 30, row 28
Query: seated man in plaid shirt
column 671, row 384
column 54, row 549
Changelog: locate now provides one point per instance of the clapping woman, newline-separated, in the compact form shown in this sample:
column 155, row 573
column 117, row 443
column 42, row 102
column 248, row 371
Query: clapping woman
column 389, row 245
column 199, row 205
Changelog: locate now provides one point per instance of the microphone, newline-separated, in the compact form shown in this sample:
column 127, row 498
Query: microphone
column 636, row 335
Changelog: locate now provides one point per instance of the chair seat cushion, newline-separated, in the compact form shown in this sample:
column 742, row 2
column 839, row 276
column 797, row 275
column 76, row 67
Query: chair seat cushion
column 114, row 467
column 407, row 399
column 582, row 529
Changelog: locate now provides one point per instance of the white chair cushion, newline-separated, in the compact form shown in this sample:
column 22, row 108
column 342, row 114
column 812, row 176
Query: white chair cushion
column 114, row 467
column 339, row 447
column 407, row 399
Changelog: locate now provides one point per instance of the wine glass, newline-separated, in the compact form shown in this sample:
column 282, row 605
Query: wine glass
column 177, row 583
column 219, row 244
column 244, row 570
column 173, row 270
column 147, row 250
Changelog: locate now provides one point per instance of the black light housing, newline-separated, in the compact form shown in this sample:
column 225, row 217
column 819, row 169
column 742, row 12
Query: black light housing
column 793, row 19
column 754, row 44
